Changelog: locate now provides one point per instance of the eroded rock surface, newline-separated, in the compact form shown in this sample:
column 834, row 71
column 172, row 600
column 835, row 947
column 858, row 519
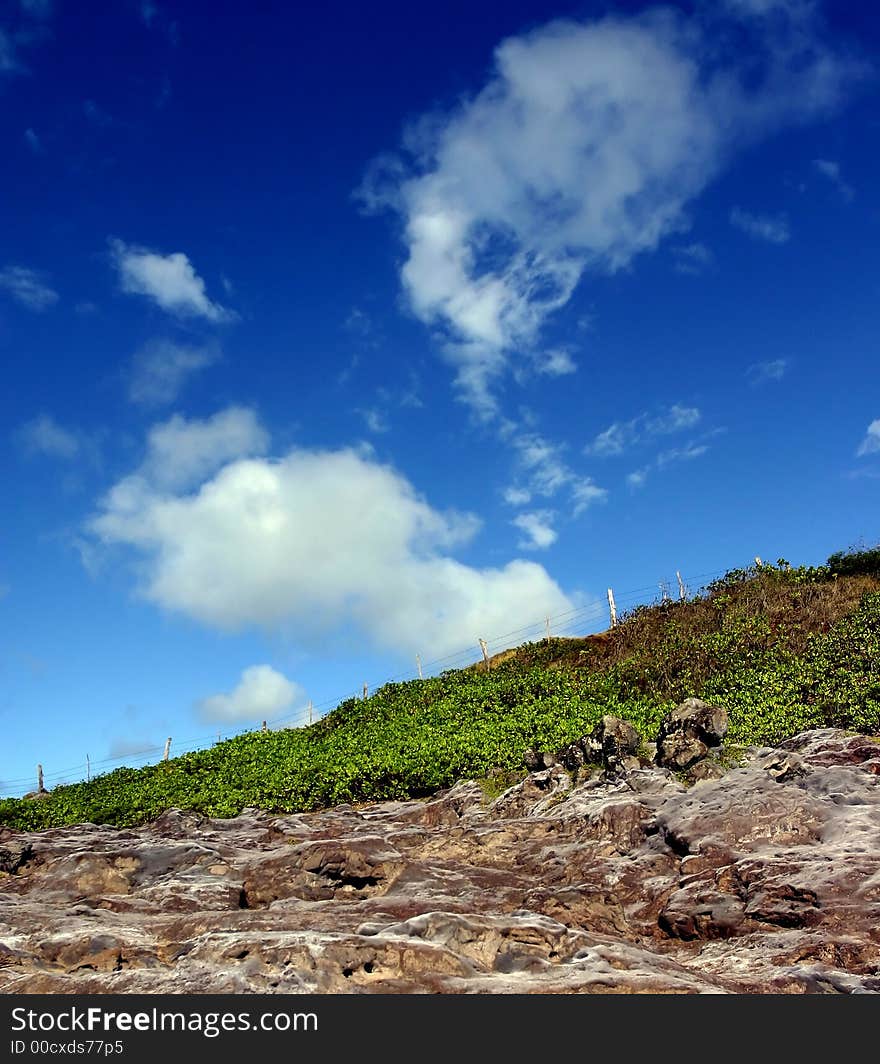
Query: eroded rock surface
column 765, row 880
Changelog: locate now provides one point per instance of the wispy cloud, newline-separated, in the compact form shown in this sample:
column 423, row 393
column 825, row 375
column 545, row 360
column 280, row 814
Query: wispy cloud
column 772, row 228
column 28, row 287
column 664, row 459
column 34, row 142
column 538, row 532
column 555, row 363
column 375, row 420
column 44, row 436
column 170, row 281
column 830, row 170
column 37, row 8
column 871, row 443
column 767, row 372
column 692, row 259
column 161, row 369
column 547, row 473
column 581, row 151
column 262, row 693
column 620, row 436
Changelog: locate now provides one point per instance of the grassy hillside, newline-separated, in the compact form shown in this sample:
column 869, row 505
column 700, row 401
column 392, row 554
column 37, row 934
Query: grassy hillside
column 782, row 648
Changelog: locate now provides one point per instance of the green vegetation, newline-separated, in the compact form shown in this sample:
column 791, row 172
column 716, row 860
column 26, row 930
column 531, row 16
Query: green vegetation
column 782, row 648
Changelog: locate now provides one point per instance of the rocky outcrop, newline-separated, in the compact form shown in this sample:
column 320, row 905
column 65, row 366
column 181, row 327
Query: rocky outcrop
column 764, row 880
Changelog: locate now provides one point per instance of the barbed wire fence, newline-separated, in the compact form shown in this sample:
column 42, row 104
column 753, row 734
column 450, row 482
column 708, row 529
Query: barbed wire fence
column 579, row 621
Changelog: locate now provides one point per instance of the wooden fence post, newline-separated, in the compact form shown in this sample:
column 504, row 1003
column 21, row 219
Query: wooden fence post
column 612, row 608
column 682, row 590
column 167, row 748
column 548, row 630
column 310, row 711
column 485, row 651
column 88, row 768
column 419, row 666
column 365, row 692
column 40, row 788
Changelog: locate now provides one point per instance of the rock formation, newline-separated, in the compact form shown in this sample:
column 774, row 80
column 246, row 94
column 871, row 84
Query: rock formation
column 618, row 878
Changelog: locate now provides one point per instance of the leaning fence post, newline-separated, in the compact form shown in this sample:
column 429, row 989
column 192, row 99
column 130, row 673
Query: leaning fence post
column 167, row 748
column 612, row 608
column 682, row 591
column 485, row 651
column 40, row 788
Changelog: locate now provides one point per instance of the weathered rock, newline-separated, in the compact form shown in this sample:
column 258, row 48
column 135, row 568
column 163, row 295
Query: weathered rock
column 615, row 743
column 687, row 733
column 764, row 880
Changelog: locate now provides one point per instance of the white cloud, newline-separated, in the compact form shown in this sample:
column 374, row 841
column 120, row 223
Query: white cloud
column 692, row 259
column 315, row 540
column 28, row 287
column 43, row 435
column 582, row 150
column 169, row 280
column 375, row 420
column 537, row 529
column 181, row 452
column 681, row 454
column 160, row 370
column 262, row 693
column 771, row 228
column 767, row 372
column 556, row 363
column 548, row 473
column 687, row 453
column 517, row 496
column 830, row 169
column 622, row 435
column 871, row 443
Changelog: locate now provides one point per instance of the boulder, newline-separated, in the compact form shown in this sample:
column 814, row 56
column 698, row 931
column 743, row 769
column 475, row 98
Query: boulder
column 687, row 733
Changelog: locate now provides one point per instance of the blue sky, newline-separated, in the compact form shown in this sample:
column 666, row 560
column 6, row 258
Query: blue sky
column 336, row 336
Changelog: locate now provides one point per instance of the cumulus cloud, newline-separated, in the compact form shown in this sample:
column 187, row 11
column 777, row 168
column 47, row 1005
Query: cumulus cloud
column 161, row 369
column 767, row 372
column 871, row 443
column 314, row 540
column 28, row 287
column 620, row 436
column 262, row 693
column 170, row 281
column 582, row 151
column 182, row 452
column 538, row 532
column 771, row 228
column 43, row 435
